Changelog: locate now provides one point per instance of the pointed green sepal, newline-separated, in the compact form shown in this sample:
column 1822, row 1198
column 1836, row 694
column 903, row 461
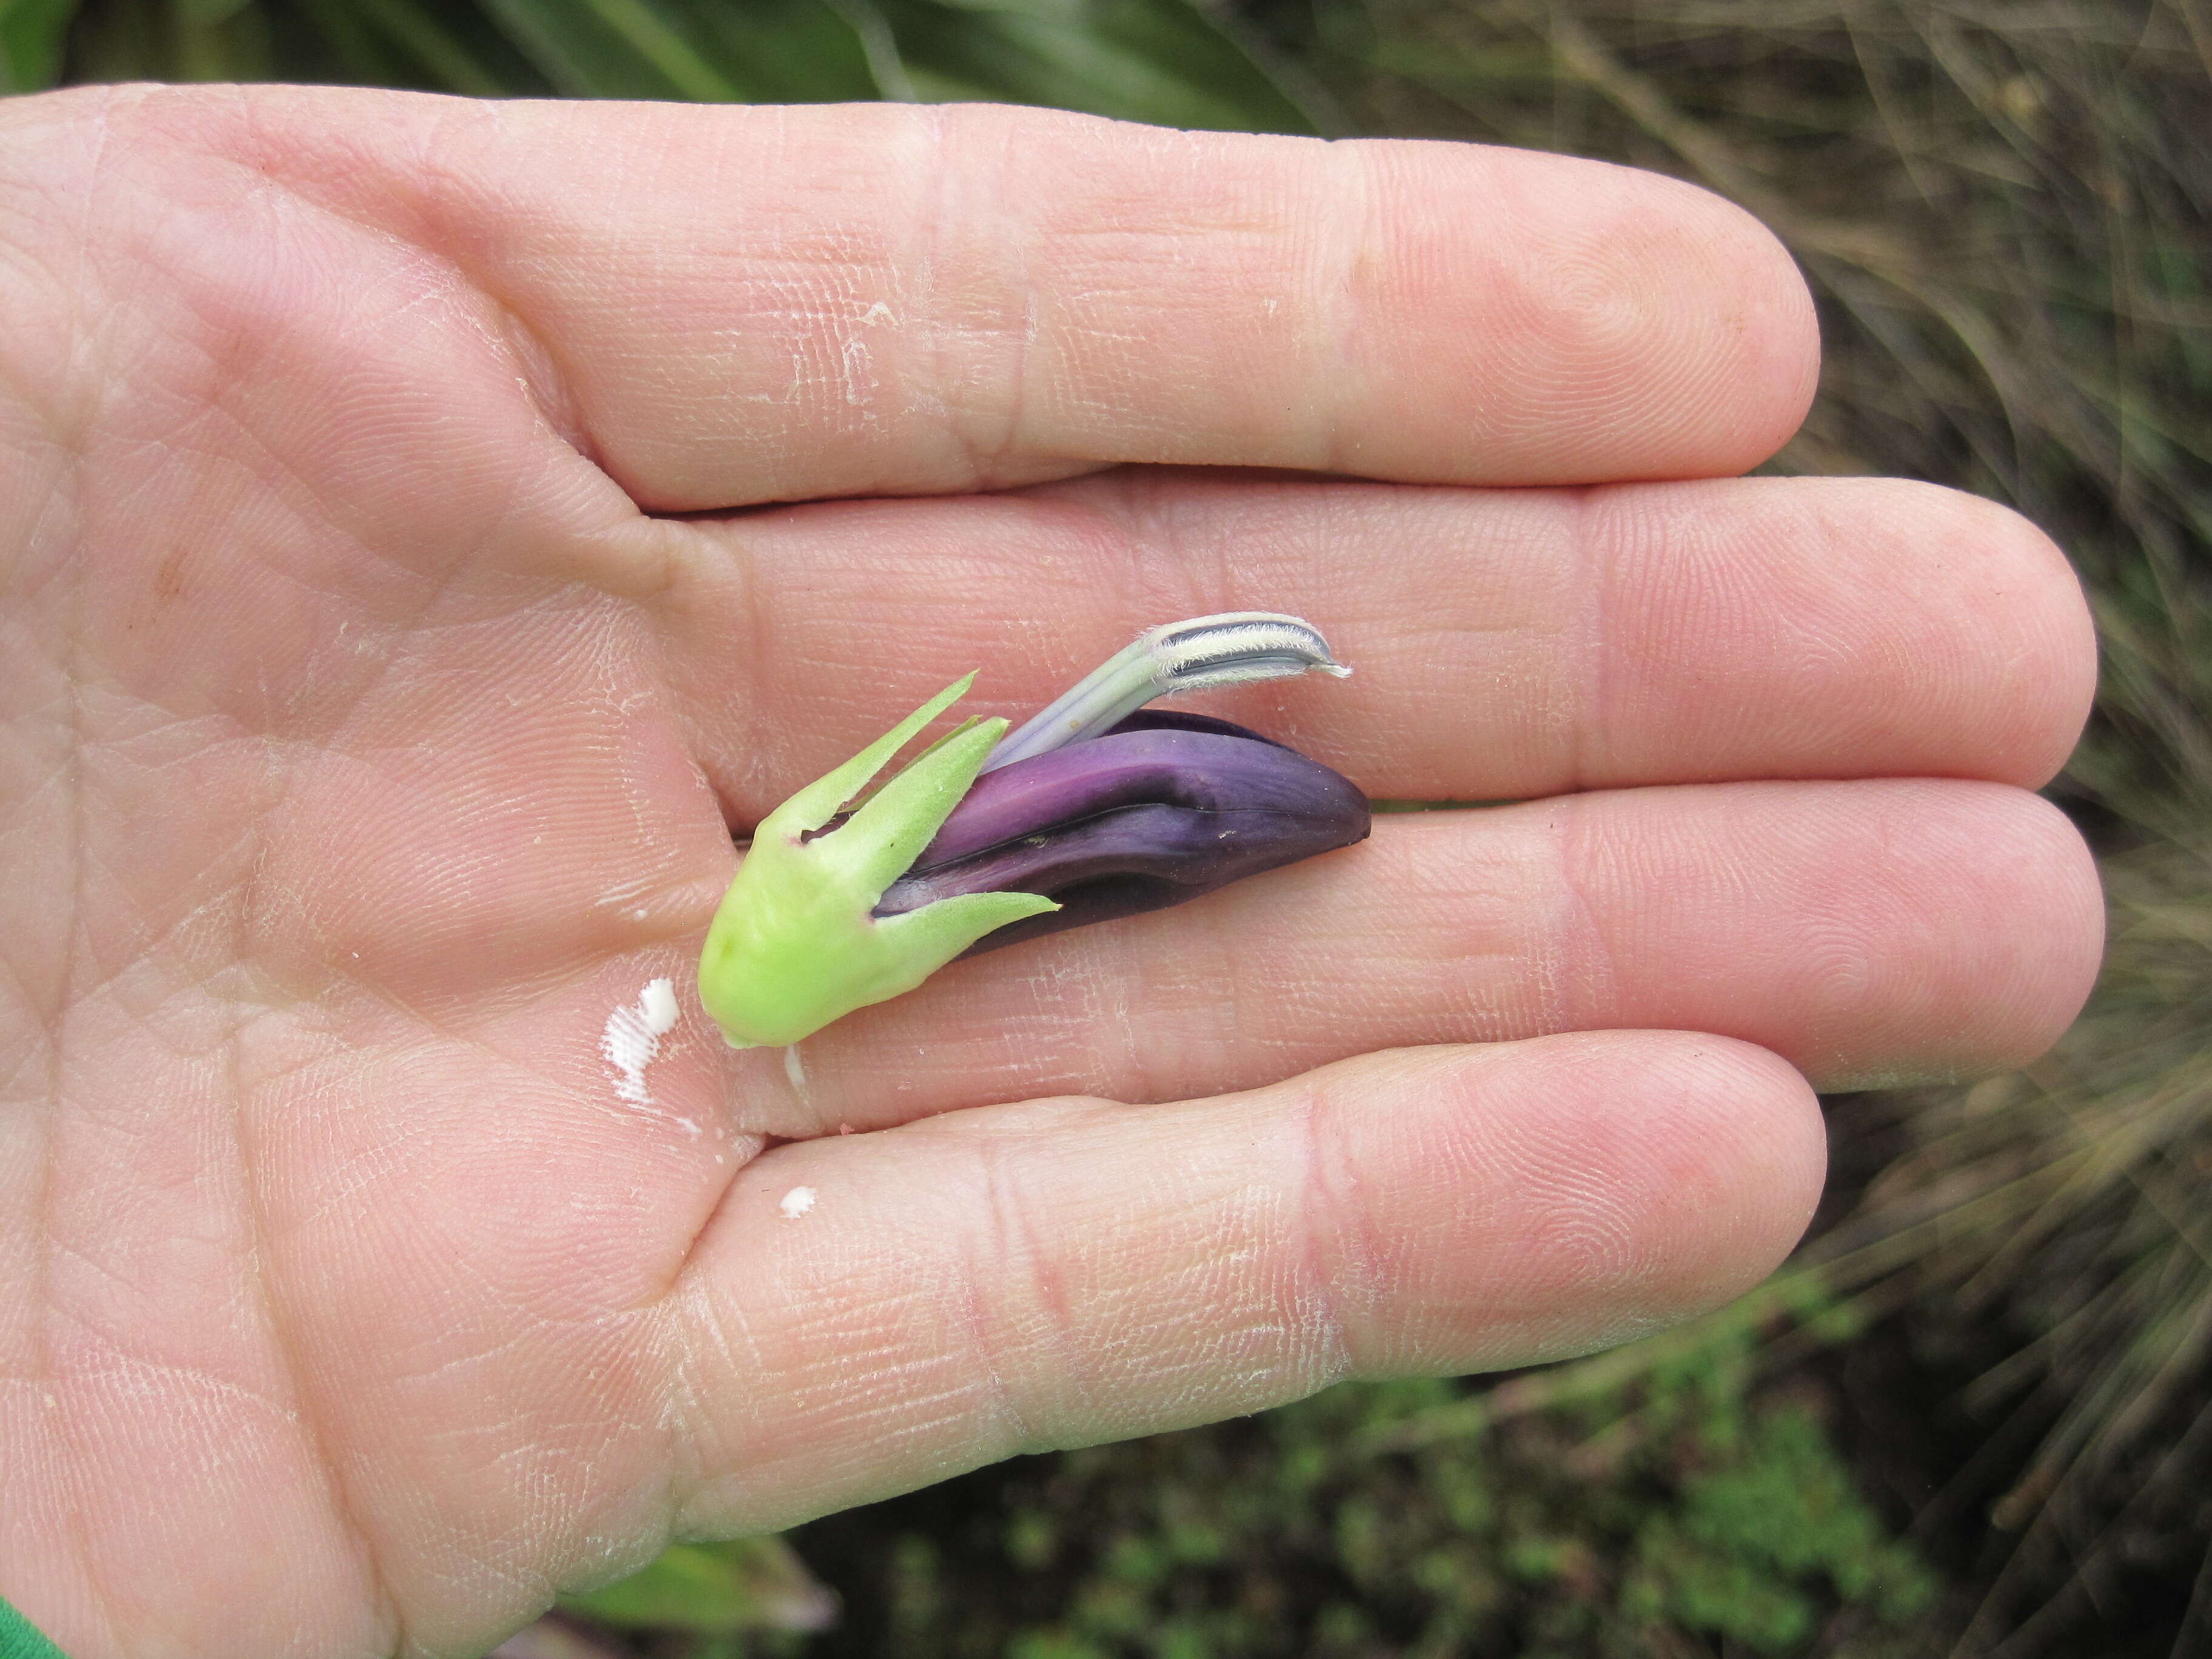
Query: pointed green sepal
column 794, row 945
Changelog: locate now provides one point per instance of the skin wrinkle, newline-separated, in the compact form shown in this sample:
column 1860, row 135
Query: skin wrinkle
column 713, row 1212
column 46, row 1210
column 700, row 1448
column 1105, row 1006
column 143, row 1014
column 692, row 1421
column 382, row 668
column 51, row 1019
column 525, row 983
column 669, row 619
column 1576, row 971
column 37, row 1057
column 763, row 745
column 1146, row 552
column 679, row 1469
column 206, row 1383
column 56, row 506
column 1333, row 325
column 1598, row 570
column 448, row 283
column 980, row 456
column 18, row 381
column 1020, row 1429
column 1330, row 1358
column 548, row 380
column 386, row 1611
column 1007, row 465
column 532, row 1332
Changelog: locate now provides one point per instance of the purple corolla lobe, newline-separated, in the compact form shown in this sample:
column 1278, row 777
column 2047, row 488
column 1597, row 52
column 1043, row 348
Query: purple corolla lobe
column 1159, row 809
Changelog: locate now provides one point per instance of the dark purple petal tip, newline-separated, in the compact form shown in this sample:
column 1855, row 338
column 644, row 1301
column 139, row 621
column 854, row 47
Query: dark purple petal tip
column 1162, row 808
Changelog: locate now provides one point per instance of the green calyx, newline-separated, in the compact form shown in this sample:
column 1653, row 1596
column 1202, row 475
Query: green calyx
column 794, row 945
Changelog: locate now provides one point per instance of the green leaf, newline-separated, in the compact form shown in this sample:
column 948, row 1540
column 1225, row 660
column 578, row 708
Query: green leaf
column 31, row 34
column 752, row 1584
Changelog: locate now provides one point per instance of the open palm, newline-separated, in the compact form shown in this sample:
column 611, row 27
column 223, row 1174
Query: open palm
column 429, row 527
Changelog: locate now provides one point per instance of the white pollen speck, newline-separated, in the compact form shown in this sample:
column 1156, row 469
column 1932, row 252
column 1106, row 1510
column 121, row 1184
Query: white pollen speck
column 632, row 1039
column 797, row 1202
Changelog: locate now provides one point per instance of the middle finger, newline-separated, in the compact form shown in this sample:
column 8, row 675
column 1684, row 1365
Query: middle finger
column 1506, row 643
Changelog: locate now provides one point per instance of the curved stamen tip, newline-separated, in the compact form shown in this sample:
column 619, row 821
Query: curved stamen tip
column 1237, row 647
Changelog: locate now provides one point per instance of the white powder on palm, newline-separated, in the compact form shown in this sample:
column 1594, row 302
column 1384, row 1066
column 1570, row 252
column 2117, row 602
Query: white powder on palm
column 631, row 1040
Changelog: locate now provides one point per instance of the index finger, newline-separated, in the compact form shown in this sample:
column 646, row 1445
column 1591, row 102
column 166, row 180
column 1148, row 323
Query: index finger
column 728, row 305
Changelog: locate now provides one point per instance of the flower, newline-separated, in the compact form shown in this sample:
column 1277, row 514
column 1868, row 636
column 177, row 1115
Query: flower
column 1091, row 811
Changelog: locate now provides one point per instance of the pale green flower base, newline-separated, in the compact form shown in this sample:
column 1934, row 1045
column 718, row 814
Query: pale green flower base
column 794, row 945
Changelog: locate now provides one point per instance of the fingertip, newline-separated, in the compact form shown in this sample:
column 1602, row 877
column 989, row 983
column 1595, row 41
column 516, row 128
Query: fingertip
column 1720, row 1145
column 1534, row 1199
column 2037, row 625
column 1777, row 334
column 1746, row 362
column 1744, row 1160
column 2055, row 963
column 1672, row 322
column 1995, row 918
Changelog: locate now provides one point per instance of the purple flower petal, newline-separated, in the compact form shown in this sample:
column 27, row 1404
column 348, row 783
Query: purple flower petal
column 1159, row 810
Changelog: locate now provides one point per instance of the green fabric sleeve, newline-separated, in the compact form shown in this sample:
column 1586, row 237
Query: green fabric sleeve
column 20, row 1639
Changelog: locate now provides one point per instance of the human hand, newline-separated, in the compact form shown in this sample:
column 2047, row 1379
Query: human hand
column 377, row 713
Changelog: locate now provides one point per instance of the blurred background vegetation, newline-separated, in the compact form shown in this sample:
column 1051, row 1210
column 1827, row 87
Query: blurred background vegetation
column 1971, row 1417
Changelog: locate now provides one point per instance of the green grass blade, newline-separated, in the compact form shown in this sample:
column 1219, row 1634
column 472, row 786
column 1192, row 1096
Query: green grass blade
column 416, row 32
column 31, row 33
column 793, row 51
column 610, row 49
column 702, row 51
column 1160, row 61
